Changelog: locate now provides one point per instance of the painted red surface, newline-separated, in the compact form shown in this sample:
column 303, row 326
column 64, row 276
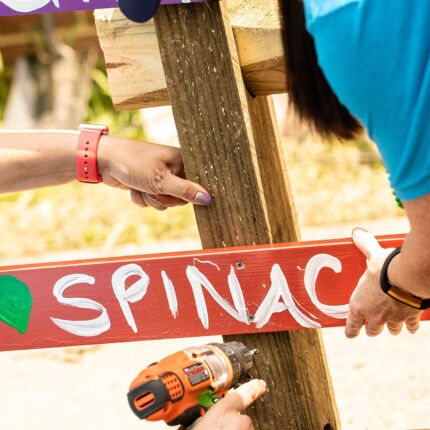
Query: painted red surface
column 152, row 315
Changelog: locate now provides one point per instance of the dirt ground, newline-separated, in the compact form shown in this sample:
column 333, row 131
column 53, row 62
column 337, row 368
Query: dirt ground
column 380, row 383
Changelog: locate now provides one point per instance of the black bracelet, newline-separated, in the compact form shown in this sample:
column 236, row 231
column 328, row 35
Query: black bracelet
column 397, row 293
column 383, row 281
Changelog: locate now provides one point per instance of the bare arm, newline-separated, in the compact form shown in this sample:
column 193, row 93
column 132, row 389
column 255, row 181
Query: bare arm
column 34, row 159
column 154, row 174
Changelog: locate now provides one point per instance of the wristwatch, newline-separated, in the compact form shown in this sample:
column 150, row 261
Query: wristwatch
column 86, row 155
column 397, row 293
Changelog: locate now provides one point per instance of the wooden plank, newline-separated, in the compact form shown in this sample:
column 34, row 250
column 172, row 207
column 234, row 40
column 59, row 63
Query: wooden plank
column 218, row 127
column 134, row 65
column 177, row 309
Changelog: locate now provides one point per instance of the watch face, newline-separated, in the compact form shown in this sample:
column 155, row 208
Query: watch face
column 405, row 297
column 95, row 127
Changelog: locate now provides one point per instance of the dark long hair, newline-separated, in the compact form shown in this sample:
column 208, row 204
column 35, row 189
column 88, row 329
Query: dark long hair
column 308, row 89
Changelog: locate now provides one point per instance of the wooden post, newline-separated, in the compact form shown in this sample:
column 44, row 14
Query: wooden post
column 230, row 145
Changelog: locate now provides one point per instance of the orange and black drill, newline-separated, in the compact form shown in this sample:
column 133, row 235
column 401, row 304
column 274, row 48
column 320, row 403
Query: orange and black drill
column 183, row 386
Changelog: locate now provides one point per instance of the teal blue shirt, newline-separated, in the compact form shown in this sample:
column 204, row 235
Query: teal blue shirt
column 375, row 55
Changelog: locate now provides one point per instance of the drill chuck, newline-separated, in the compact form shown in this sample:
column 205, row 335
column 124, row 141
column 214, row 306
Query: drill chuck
column 240, row 358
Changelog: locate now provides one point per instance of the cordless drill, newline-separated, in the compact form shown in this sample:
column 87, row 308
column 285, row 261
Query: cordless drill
column 183, row 386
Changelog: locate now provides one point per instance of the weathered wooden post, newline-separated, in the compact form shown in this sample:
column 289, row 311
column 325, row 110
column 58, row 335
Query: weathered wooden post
column 231, row 146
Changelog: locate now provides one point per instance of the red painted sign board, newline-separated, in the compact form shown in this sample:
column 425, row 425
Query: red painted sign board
column 195, row 293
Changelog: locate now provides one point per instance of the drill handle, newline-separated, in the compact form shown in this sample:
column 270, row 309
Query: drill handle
column 188, row 417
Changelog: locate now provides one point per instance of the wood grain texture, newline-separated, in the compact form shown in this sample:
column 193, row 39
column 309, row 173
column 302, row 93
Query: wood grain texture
column 133, row 60
column 266, row 77
column 273, row 171
column 218, row 125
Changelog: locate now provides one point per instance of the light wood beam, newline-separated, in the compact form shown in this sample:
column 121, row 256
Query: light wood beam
column 134, row 65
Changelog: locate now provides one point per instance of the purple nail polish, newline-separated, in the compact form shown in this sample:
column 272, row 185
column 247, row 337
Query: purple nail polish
column 203, row 198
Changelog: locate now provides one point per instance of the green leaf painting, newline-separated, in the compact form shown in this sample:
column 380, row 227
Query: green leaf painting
column 15, row 303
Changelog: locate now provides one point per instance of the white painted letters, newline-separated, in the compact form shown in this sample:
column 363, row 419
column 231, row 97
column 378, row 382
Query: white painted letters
column 315, row 264
column 170, row 293
column 132, row 294
column 271, row 304
column 198, row 280
column 278, row 299
column 88, row 328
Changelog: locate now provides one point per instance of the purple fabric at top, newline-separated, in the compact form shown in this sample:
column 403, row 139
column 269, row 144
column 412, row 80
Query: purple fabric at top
column 20, row 7
column 179, row 1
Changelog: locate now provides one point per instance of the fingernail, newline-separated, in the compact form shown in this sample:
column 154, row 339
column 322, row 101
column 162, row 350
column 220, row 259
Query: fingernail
column 203, row 198
column 263, row 382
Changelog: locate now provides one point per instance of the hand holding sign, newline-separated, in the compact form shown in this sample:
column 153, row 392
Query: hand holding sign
column 369, row 305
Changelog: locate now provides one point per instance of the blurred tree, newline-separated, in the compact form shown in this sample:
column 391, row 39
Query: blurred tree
column 50, row 89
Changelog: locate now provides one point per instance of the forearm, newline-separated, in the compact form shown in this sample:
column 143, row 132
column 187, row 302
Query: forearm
column 410, row 270
column 34, row 159
column 154, row 174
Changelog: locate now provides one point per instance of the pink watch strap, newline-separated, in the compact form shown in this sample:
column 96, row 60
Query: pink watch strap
column 86, row 157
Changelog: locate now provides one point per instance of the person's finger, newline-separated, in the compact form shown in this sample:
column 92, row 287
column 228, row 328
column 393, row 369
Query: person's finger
column 354, row 322
column 136, row 198
column 413, row 324
column 374, row 328
column 144, row 200
column 152, row 201
column 185, row 190
column 365, row 242
column 148, row 195
column 170, row 201
column 163, row 200
column 244, row 396
column 394, row 327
